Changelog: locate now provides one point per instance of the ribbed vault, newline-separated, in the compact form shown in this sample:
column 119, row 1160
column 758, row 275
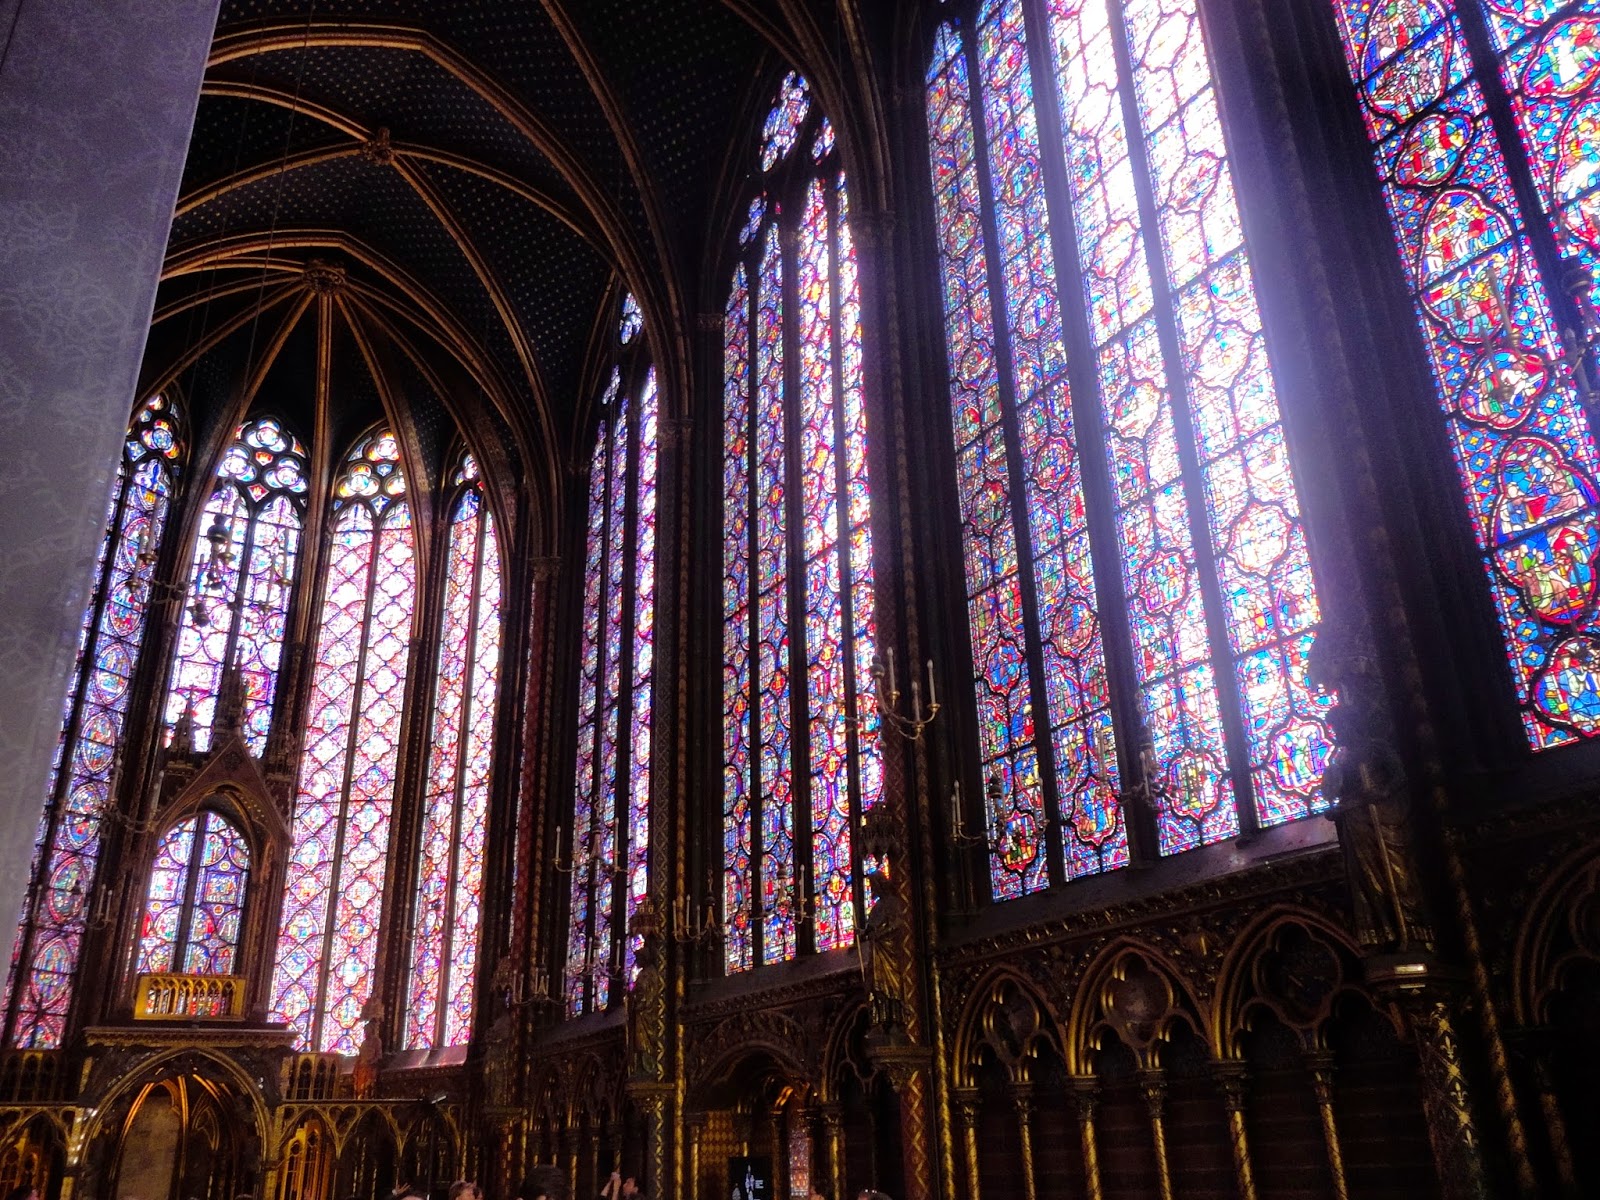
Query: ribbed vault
column 422, row 208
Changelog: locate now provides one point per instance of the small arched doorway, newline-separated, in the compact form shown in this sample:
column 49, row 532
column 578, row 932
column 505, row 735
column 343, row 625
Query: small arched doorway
column 181, row 1137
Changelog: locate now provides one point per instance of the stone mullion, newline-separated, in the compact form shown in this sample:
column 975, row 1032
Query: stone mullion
column 564, row 665
column 905, row 766
column 669, row 770
column 541, row 814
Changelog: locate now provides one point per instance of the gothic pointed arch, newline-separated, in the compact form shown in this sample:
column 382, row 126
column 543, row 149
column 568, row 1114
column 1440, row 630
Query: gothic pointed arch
column 799, row 719
column 66, row 856
column 450, row 867
column 338, row 861
column 609, row 836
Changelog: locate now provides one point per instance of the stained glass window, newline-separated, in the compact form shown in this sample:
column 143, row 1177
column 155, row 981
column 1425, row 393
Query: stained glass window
column 88, row 756
column 455, row 803
column 195, row 901
column 800, row 732
column 609, row 839
column 328, row 945
column 247, row 545
column 1106, row 222
column 1488, row 278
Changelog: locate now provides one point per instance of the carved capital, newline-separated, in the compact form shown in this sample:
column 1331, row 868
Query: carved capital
column 872, row 230
column 676, row 432
column 1153, row 1087
column 1232, row 1081
column 1022, row 1101
column 709, row 322
column 1085, row 1090
column 903, row 1064
column 966, row 1106
column 546, row 568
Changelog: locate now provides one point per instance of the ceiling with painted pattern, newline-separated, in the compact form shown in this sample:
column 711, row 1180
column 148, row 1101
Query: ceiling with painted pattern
column 430, row 208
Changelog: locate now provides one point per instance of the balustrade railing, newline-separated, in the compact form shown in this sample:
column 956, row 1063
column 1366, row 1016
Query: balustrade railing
column 189, row 998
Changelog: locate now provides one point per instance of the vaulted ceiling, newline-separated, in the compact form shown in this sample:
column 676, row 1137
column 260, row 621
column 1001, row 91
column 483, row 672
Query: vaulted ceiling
column 432, row 206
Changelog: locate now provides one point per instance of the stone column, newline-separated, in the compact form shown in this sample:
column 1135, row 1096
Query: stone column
column 97, row 100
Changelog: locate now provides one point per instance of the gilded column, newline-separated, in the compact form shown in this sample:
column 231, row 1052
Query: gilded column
column 1022, row 1099
column 1452, row 1131
column 652, row 1101
column 1321, row 1067
column 569, row 1151
column 1086, row 1095
column 1231, row 1081
column 833, row 1139
column 1153, row 1086
column 1393, row 918
column 966, row 1106
column 911, row 1084
column 694, row 1124
column 1536, row 1050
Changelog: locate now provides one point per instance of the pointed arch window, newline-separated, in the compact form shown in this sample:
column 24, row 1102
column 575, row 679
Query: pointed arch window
column 1484, row 120
column 194, row 905
column 611, row 804
column 45, row 954
column 247, row 546
column 799, row 727
column 328, row 946
column 455, row 804
column 1135, row 555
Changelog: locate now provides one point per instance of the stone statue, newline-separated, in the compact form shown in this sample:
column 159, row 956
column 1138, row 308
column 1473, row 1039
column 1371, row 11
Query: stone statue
column 1366, row 781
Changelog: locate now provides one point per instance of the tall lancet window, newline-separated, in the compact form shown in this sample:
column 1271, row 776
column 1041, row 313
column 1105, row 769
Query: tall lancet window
column 195, row 902
column 455, row 804
column 1136, row 558
column 328, row 945
column 610, row 840
column 44, row 956
column 247, row 545
column 1490, row 273
column 800, row 730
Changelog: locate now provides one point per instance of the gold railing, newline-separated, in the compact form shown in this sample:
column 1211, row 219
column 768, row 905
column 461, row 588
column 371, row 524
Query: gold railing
column 189, row 998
